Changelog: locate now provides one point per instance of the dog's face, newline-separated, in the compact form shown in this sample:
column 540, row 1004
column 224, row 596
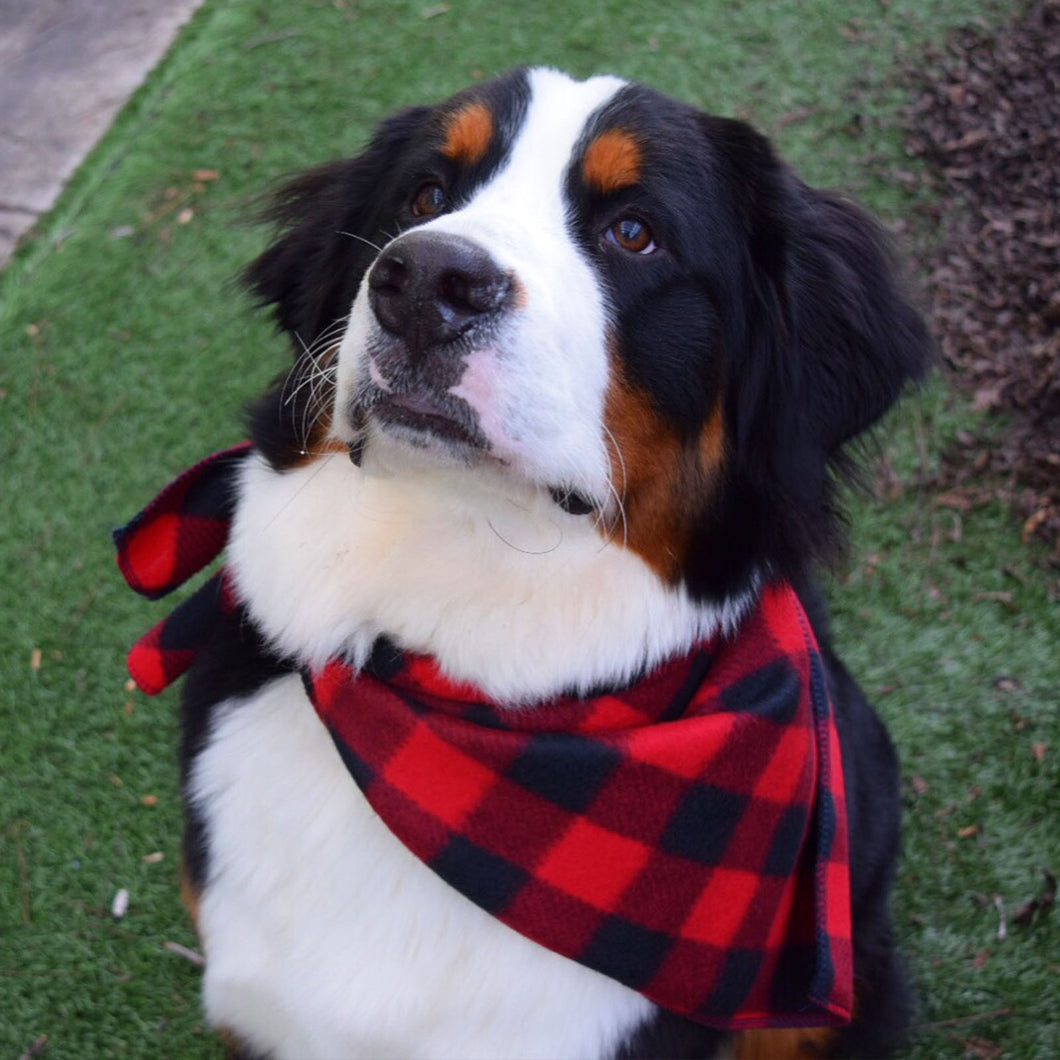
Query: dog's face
column 481, row 333
column 603, row 295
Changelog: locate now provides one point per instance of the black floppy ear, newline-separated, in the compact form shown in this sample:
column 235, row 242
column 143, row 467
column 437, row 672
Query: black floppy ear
column 328, row 218
column 820, row 341
column 857, row 338
column 833, row 336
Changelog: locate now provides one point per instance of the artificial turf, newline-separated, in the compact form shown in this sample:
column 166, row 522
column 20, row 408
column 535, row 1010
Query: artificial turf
column 126, row 353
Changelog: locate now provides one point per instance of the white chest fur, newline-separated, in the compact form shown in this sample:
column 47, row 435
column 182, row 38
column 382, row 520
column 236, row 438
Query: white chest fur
column 326, row 938
column 498, row 584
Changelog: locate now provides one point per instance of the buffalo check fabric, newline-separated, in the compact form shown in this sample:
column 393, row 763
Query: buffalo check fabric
column 178, row 534
column 685, row 835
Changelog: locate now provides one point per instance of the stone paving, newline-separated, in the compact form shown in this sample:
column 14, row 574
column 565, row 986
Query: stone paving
column 66, row 69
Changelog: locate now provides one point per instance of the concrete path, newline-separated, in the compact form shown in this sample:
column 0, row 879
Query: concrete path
column 66, row 69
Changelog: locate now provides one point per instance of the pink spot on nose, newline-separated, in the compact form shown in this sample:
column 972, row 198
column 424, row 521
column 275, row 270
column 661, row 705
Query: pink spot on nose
column 479, row 387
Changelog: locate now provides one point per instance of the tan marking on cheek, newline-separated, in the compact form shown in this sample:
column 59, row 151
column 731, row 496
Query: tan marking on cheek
column 612, row 162
column 797, row 1044
column 664, row 484
column 645, row 457
column 468, row 134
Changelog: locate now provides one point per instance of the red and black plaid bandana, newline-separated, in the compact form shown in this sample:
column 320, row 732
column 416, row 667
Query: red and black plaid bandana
column 685, row 836
column 178, row 534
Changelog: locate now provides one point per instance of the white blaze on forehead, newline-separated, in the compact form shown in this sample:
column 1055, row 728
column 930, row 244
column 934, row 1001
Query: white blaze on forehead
column 543, row 148
column 538, row 386
column 539, row 390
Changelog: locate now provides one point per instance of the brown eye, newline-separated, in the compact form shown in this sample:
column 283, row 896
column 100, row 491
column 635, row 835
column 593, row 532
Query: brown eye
column 429, row 200
column 632, row 235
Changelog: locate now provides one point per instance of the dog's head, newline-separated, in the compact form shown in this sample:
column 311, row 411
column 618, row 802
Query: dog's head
column 604, row 295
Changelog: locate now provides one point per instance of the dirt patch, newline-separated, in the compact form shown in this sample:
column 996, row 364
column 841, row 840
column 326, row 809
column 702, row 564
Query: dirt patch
column 986, row 122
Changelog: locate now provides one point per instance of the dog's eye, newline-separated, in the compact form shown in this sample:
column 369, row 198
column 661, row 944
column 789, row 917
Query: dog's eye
column 429, row 200
column 631, row 234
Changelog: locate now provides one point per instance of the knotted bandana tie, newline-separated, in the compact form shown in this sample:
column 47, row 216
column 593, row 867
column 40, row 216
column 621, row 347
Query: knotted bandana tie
column 685, row 836
column 178, row 534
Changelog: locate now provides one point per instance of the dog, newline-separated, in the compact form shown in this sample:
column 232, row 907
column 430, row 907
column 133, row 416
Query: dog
column 576, row 367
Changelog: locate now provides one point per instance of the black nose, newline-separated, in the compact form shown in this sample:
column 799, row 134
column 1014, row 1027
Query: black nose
column 428, row 288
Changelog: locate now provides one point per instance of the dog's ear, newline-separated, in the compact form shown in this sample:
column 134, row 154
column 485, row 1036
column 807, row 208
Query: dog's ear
column 821, row 340
column 858, row 339
column 833, row 333
column 328, row 220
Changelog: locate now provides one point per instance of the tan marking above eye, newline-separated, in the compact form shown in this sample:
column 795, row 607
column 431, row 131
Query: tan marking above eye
column 468, row 133
column 612, row 162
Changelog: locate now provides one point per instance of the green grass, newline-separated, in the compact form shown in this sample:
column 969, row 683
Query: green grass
column 953, row 629
column 125, row 354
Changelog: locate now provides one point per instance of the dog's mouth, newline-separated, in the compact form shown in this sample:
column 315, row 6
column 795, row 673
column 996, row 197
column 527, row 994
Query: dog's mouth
column 447, row 423
column 444, row 424
column 422, row 418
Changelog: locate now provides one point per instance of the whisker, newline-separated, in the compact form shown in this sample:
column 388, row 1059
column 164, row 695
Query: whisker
column 527, row 551
column 312, row 374
column 620, row 498
column 320, row 467
column 324, row 341
column 368, row 242
column 321, row 381
column 619, row 515
column 294, row 369
column 323, row 393
column 306, row 368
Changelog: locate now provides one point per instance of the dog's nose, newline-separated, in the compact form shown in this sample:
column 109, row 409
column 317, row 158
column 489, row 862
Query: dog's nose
column 428, row 288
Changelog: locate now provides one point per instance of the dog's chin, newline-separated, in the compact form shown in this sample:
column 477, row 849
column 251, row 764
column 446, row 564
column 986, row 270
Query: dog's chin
column 428, row 424
column 421, row 432
column 418, row 425
column 411, row 436
column 396, row 438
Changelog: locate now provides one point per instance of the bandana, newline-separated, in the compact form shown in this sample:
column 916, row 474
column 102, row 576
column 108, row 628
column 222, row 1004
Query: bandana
column 685, row 835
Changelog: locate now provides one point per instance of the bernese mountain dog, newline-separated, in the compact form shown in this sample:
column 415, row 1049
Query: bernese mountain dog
column 515, row 729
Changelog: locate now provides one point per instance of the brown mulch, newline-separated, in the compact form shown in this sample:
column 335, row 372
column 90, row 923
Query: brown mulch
column 986, row 121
